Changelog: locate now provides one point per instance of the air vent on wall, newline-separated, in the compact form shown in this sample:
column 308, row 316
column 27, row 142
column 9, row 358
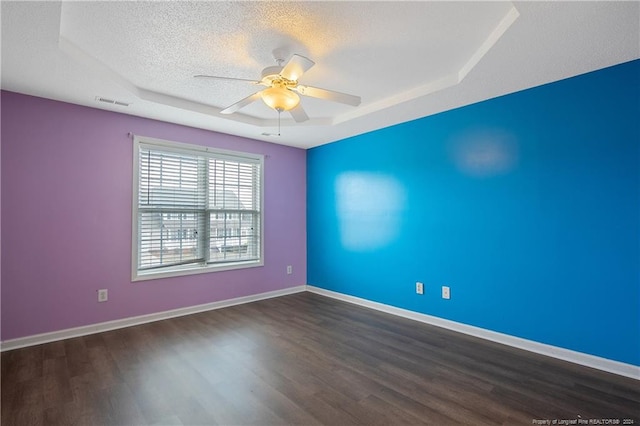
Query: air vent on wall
column 111, row 101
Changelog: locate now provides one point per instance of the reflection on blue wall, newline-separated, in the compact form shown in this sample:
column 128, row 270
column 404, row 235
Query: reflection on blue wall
column 527, row 206
column 369, row 208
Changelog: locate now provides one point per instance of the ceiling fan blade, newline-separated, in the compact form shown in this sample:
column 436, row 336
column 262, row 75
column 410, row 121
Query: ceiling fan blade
column 296, row 66
column 242, row 103
column 226, row 78
column 328, row 95
column 298, row 113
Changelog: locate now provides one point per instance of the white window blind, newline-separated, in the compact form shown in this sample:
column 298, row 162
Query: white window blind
column 196, row 209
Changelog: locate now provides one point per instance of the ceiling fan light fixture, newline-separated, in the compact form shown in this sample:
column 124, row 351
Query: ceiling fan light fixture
column 280, row 98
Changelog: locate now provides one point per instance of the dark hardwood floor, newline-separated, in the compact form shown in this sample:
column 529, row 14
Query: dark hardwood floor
column 302, row 359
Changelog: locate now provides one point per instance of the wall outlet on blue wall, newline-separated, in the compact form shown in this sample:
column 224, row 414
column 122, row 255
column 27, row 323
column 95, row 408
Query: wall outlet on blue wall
column 446, row 292
column 419, row 288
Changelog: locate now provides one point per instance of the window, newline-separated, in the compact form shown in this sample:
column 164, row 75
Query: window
column 195, row 209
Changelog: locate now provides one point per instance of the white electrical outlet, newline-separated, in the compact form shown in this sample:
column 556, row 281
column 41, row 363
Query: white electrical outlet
column 103, row 295
column 289, row 269
column 419, row 288
column 446, row 292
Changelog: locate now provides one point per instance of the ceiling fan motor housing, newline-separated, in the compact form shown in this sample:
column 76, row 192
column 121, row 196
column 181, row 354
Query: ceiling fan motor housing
column 270, row 73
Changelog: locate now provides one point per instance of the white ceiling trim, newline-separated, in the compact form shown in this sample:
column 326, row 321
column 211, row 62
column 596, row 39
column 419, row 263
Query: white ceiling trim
column 80, row 56
column 493, row 38
column 441, row 83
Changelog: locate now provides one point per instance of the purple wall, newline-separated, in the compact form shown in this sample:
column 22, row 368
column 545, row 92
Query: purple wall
column 66, row 216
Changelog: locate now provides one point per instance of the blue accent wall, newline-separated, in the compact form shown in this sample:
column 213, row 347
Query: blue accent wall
column 526, row 205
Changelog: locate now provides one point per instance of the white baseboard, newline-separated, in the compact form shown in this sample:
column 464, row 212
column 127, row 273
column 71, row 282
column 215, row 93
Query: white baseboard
column 38, row 339
column 604, row 364
column 611, row 366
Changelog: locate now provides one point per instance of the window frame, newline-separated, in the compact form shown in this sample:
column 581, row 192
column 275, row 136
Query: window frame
column 199, row 268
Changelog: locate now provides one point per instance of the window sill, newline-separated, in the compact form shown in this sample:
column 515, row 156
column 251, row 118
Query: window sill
column 192, row 270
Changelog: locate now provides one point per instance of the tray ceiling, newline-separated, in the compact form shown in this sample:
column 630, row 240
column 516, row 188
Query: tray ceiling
column 405, row 59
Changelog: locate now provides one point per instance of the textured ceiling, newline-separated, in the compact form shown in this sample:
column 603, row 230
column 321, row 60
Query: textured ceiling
column 405, row 59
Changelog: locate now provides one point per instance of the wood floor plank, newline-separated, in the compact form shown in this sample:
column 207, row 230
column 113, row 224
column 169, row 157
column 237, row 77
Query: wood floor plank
column 301, row 359
column 23, row 404
column 56, row 388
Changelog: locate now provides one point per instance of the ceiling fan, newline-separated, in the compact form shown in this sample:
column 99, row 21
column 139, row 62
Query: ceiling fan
column 283, row 88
